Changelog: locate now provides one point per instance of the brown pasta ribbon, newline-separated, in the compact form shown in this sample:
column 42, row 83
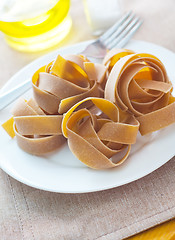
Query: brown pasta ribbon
column 95, row 138
column 36, row 132
column 138, row 84
column 113, row 56
column 62, row 83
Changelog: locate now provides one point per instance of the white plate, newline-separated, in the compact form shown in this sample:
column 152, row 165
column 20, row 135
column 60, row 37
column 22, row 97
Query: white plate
column 61, row 171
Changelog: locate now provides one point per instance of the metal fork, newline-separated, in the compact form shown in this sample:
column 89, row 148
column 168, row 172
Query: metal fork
column 116, row 36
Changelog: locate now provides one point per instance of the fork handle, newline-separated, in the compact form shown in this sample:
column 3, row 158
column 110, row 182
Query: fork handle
column 10, row 96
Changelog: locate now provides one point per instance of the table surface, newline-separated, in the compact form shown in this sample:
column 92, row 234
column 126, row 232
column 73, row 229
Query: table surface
column 19, row 222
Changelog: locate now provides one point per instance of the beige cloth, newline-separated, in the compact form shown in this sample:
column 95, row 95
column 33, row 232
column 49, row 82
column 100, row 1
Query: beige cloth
column 27, row 213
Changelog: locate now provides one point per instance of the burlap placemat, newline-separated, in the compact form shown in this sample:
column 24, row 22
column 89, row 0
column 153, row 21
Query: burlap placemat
column 28, row 213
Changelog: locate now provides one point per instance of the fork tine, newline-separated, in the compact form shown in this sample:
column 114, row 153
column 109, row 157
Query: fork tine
column 120, row 33
column 128, row 36
column 119, row 30
column 114, row 27
column 123, row 33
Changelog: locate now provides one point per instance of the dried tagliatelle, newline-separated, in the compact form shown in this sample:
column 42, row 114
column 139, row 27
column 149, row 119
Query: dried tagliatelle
column 138, row 84
column 36, row 132
column 135, row 94
column 62, row 83
column 95, row 136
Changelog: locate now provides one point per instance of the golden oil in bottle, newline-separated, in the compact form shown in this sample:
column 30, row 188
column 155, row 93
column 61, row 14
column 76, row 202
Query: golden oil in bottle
column 34, row 25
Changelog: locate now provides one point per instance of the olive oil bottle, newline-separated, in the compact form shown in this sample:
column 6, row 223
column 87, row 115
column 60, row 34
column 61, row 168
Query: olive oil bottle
column 33, row 25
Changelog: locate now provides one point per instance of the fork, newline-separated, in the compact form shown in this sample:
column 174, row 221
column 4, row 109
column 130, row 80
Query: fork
column 116, row 36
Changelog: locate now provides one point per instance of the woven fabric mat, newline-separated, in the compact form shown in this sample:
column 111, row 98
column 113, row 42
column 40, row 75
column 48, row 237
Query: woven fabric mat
column 28, row 213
